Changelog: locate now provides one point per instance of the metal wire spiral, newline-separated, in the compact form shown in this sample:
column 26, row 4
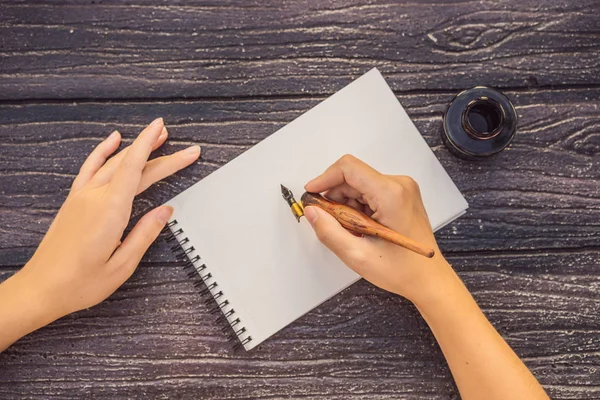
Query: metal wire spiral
column 206, row 284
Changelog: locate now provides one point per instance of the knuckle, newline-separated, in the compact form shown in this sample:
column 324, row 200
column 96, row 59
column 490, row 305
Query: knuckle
column 397, row 189
column 403, row 186
column 410, row 184
column 347, row 159
column 127, row 162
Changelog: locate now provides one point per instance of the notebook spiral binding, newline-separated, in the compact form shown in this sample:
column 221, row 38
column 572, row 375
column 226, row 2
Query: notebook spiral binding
column 204, row 281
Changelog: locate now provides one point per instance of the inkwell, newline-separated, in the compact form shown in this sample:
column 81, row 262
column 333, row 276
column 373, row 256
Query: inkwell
column 479, row 122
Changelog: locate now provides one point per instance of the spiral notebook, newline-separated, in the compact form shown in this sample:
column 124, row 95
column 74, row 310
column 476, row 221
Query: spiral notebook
column 238, row 237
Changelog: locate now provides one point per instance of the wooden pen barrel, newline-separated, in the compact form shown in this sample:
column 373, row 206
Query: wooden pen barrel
column 360, row 223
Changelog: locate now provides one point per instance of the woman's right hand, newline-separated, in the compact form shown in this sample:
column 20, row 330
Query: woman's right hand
column 394, row 201
column 482, row 364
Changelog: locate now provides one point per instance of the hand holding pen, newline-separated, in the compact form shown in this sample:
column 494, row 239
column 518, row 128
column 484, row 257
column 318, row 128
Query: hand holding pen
column 392, row 201
column 480, row 360
column 355, row 221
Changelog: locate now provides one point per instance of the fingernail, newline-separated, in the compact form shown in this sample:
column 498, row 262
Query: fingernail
column 311, row 215
column 113, row 135
column 157, row 122
column 164, row 213
column 192, row 151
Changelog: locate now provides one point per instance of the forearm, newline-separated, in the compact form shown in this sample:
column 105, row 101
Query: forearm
column 22, row 308
column 482, row 363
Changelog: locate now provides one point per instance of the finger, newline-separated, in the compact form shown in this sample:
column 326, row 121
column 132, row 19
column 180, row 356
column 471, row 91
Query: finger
column 341, row 195
column 343, row 192
column 126, row 178
column 354, row 204
column 96, row 160
column 336, row 196
column 128, row 255
column 337, row 239
column 350, row 170
column 161, row 167
column 103, row 176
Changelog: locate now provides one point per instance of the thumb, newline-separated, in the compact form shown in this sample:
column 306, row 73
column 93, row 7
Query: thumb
column 129, row 254
column 333, row 235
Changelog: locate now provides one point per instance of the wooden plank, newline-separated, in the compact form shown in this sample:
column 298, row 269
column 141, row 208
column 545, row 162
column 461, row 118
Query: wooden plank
column 157, row 49
column 542, row 193
column 154, row 338
column 527, row 249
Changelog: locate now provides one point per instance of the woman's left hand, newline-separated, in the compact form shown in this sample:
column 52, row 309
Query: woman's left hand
column 81, row 260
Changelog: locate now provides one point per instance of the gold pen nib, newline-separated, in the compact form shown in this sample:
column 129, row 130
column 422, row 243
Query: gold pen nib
column 296, row 207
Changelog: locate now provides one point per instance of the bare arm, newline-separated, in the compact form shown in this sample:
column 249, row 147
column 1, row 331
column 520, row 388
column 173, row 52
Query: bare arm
column 482, row 363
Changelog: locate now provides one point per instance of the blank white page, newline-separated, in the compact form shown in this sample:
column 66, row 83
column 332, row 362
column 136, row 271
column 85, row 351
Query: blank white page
column 270, row 268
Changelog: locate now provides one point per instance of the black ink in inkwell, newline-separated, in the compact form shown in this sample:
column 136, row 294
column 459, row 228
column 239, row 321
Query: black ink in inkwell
column 479, row 122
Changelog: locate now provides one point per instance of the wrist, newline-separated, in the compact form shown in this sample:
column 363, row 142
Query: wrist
column 34, row 298
column 22, row 308
column 442, row 285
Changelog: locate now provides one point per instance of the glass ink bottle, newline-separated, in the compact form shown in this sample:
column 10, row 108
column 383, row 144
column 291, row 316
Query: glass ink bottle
column 479, row 122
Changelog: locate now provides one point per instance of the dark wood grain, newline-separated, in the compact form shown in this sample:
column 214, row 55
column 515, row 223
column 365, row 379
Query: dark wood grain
column 227, row 75
column 152, row 49
column 155, row 336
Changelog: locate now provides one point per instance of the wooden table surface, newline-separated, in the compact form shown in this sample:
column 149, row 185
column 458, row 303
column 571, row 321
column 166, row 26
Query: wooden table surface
column 228, row 74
